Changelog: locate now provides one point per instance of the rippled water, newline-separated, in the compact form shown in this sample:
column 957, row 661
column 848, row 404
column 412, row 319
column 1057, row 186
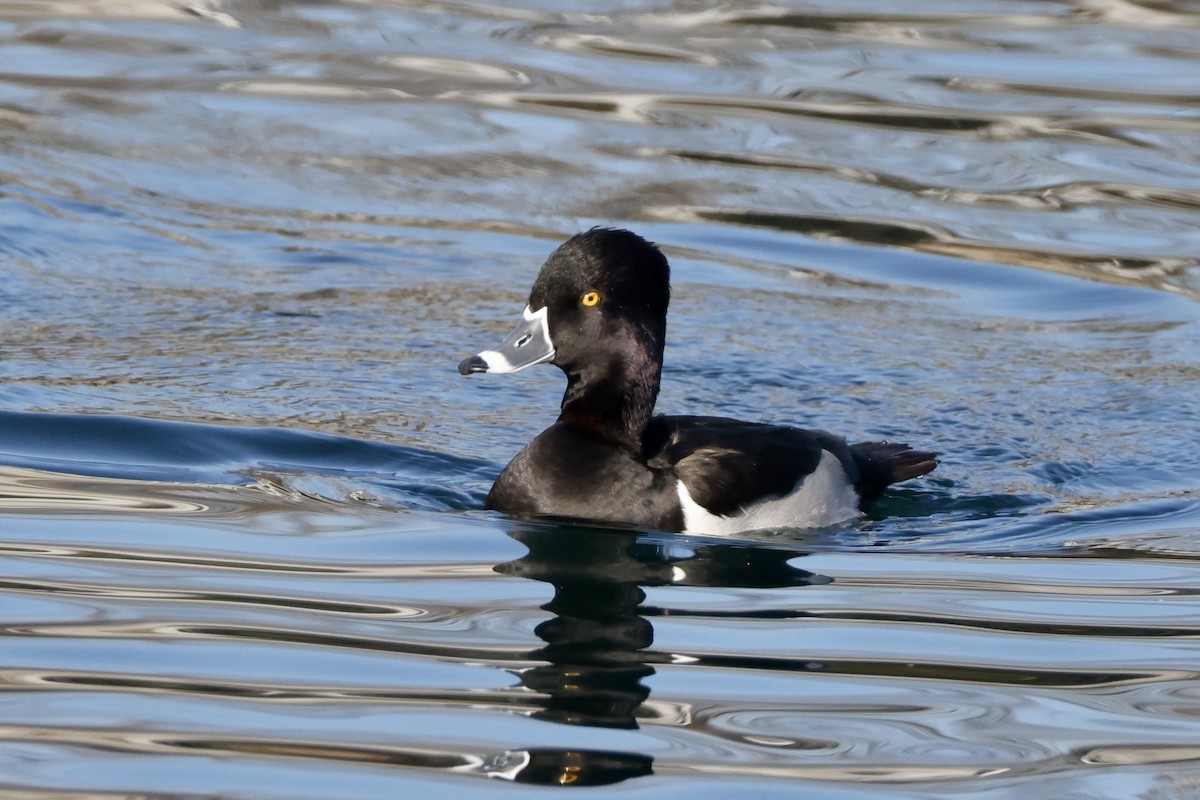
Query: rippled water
column 244, row 243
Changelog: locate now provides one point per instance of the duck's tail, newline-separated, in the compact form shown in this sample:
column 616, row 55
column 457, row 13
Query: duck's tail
column 881, row 464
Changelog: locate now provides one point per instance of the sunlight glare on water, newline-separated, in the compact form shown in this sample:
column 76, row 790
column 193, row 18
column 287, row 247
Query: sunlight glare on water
column 243, row 246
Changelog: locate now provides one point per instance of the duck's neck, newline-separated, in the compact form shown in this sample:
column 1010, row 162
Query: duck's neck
column 614, row 400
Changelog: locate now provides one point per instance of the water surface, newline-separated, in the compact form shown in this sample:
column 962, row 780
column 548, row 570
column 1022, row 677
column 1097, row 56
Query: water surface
column 243, row 246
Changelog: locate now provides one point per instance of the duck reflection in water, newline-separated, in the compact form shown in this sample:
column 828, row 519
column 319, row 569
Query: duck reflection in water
column 597, row 643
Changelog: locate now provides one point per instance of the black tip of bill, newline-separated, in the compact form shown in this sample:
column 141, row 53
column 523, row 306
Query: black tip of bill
column 472, row 364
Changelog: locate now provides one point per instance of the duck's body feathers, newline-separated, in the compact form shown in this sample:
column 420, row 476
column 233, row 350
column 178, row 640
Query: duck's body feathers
column 727, row 464
column 570, row 471
column 726, row 475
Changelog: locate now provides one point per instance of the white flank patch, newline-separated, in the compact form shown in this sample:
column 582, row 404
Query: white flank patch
column 825, row 497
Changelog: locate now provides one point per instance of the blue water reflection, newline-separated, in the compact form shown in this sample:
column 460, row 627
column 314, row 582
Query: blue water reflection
column 242, row 545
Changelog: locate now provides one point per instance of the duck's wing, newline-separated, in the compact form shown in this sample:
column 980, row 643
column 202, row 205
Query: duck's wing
column 729, row 466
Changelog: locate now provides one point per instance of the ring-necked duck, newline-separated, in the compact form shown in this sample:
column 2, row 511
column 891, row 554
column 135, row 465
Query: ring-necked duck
column 598, row 311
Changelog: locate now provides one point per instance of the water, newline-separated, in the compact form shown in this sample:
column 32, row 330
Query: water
column 244, row 244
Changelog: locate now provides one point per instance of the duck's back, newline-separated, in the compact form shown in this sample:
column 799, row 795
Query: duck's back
column 735, row 475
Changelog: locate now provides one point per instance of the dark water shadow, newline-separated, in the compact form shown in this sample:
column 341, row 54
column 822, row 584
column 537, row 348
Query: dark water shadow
column 597, row 644
column 597, row 649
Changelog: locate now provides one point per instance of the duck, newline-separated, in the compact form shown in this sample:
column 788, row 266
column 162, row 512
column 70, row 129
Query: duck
column 598, row 312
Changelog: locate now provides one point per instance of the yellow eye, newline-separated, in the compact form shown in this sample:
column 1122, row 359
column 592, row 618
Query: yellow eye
column 590, row 299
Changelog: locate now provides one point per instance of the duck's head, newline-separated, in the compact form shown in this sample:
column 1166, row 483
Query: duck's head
column 598, row 308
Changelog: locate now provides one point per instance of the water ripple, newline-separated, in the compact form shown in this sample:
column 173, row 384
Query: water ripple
column 972, row 227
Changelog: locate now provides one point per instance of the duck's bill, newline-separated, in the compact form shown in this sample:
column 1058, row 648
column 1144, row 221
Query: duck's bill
column 528, row 344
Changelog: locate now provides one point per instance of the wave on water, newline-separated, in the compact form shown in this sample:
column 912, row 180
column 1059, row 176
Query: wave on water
column 305, row 462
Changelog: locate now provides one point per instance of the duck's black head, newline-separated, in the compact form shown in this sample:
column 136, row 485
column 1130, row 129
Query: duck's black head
column 603, row 287
column 598, row 311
